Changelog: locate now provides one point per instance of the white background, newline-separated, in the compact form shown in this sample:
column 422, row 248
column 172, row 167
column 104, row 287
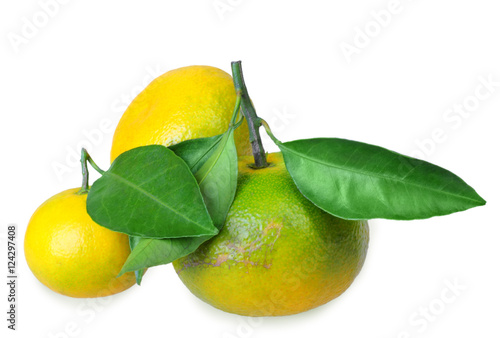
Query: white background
column 83, row 64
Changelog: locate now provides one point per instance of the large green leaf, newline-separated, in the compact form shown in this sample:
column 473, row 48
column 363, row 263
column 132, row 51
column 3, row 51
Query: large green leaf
column 354, row 180
column 150, row 192
column 217, row 176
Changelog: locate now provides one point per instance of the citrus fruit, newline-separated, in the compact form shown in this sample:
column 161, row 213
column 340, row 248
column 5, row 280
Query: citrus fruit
column 277, row 254
column 73, row 255
column 184, row 103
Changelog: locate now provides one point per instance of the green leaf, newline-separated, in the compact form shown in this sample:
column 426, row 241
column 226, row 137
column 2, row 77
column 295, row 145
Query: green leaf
column 150, row 192
column 195, row 152
column 152, row 252
column 214, row 163
column 139, row 273
column 354, row 180
column 217, row 177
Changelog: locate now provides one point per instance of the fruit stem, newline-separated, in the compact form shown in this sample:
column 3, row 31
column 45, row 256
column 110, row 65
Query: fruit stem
column 85, row 157
column 248, row 110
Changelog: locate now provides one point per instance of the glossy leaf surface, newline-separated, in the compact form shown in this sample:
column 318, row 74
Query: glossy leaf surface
column 355, row 180
column 150, row 192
